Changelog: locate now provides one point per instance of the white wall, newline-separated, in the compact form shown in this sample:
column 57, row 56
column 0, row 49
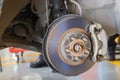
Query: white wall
column 105, row 12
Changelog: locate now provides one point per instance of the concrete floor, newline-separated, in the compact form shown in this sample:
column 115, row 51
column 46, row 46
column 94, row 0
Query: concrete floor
column 22, row 71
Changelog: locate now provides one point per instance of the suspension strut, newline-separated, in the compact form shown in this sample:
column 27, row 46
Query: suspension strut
column 57, row 9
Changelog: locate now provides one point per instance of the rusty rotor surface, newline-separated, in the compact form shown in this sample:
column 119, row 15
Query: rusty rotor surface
column 54, row 45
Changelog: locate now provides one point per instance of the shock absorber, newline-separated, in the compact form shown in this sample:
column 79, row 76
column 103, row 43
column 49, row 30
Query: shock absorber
column 58, row 9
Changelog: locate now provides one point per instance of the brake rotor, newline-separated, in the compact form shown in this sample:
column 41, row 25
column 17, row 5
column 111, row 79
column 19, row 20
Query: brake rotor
column 67, row 46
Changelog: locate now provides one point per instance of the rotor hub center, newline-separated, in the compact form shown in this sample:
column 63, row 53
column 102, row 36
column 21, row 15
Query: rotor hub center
column 74, row 46
column 78, row 48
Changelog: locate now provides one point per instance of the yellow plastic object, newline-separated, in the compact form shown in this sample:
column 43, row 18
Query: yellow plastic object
column 117, row 40
column 117, row 63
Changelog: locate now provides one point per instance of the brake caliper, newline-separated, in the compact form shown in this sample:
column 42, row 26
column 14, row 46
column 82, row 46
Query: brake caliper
column 99, row 41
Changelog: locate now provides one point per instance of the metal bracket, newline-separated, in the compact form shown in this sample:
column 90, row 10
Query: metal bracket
column 99, row 41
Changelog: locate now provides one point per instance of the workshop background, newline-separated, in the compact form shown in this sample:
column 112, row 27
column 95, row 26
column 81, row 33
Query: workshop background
column 105, row 12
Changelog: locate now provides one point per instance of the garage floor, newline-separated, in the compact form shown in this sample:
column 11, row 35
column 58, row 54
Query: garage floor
column 22, row 71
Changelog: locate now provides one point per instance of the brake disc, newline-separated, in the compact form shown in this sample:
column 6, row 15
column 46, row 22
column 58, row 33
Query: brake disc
column 67, row 46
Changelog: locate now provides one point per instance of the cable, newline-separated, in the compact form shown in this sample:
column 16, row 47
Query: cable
column 47, row 13
column 78, row 5
column 32, row 7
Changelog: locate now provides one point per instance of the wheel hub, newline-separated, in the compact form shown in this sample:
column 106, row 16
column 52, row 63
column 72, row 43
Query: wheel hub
column 74, row 46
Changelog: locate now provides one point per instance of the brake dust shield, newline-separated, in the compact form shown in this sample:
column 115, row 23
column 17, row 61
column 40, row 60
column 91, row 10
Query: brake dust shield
column 67, row 46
